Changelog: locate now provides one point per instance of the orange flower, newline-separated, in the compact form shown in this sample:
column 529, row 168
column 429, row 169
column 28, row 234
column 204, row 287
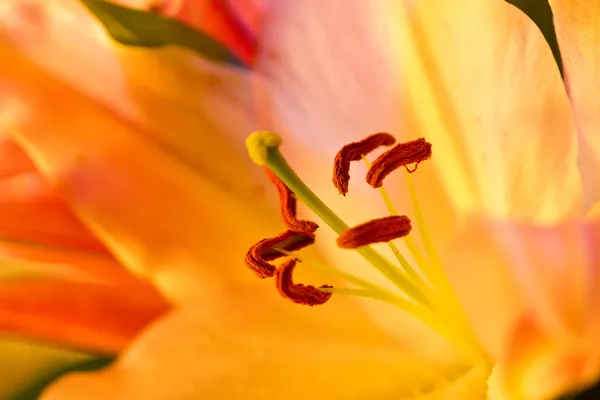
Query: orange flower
column 159, row 177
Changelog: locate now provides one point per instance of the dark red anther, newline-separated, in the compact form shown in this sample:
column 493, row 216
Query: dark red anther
column 297, row 292
column 259, row 255
column 375, row 231
column 287, row 200
column 398, row 156
column 354, row 152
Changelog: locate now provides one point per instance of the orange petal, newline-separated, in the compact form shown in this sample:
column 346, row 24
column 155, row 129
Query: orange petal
column 198, row 111
column 94, row 317
column 31, row 212
column 538, row 367
column 158, row 215
column 236, row 349
column 578, row 34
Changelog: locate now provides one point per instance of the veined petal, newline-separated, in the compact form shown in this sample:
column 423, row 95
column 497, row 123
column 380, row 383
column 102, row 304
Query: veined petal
column 102, row 318
column 196, row 110
column 158, row 216
column 578, row 34
column 481, row 84
column 235, row 349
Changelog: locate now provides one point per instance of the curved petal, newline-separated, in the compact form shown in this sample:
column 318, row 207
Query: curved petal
column 248, row 350
column 198, row 111
column 96, row 317
column 467, row 88
column 156, row 214
column 578, row 34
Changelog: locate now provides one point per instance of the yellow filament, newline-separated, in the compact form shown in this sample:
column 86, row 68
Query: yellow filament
column 336, row 272
column 435, row 271
column 410, row 271
column 417, row 311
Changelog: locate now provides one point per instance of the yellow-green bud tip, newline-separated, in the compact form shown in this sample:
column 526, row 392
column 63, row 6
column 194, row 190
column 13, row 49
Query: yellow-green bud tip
column 259, row 143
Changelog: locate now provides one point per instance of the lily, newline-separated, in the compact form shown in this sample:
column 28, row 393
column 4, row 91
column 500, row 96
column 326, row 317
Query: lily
column 500, row 197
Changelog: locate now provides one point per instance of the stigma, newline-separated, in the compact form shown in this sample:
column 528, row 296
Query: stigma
column 422, row 288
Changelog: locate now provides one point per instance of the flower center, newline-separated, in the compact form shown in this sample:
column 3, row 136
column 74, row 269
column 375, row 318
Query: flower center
column 427, row 296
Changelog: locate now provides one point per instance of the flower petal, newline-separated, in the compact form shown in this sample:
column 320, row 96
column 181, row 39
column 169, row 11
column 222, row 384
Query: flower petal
column 96, row 317
column 158, row 216
column 477, row 268
column 578, row 34
column 199, row 111
column 499, row 114
column 538, row 367
column 555, row 269
column 248, row 350
column 507, row 145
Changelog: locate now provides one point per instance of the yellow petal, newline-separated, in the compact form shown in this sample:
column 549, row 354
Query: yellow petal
column 578, row 34
column 157, row 215
column 482, row 86
column 232, row 349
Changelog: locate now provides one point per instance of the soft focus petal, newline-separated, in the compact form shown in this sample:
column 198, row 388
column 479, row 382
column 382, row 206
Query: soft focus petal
column 38, row 226
column 157, row 215
column 101, row 318
column 578, row 33
column 538, row 367
column 247, row 350
column 508, row 145
column 478, row 271
column 199, row 111
column 551, row 334
column 556, row 268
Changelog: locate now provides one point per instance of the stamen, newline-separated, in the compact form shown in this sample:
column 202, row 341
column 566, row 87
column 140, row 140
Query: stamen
column 287, row 199
column 297, row 292
column 379, row 230
column 259, row 255
column 354, row 152
column 399, row 156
